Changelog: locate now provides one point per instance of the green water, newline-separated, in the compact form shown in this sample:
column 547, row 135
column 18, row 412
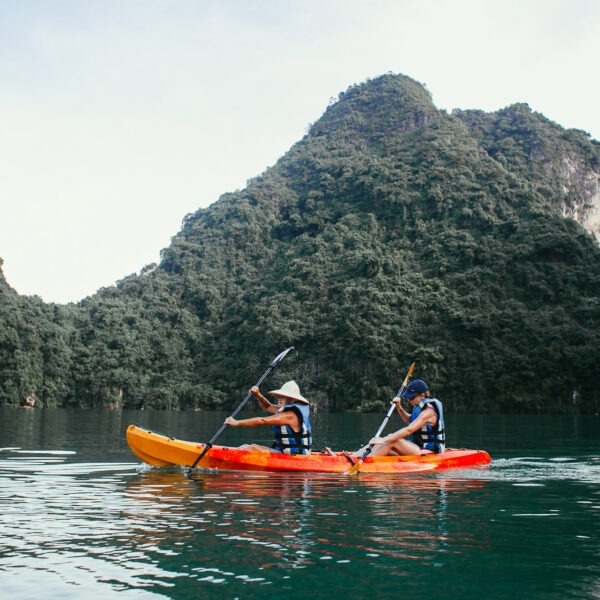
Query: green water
column 81, row 518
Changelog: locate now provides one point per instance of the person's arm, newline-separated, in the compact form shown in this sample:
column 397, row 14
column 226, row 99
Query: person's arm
column 404, row 415
column 426, row 416
column 286, row 417
column 263, row 402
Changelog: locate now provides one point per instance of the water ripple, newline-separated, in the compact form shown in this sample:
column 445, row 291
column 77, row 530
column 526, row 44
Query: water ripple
column 536, row 471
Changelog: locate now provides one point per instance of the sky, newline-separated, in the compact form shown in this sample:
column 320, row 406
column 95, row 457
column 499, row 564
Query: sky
column 120, row 117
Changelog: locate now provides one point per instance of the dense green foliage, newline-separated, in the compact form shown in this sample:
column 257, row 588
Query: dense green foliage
column 392, row 232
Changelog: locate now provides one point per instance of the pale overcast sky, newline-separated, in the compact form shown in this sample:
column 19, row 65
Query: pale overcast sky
column 119, row 117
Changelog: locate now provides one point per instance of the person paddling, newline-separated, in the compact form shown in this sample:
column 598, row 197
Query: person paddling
column 425, row 425
column 290, row 420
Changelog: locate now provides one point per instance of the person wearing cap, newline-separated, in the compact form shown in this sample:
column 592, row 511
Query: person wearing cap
column 424, row 432
column 290, row 420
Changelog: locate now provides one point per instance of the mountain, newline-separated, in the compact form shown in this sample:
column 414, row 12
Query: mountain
column 392, row 232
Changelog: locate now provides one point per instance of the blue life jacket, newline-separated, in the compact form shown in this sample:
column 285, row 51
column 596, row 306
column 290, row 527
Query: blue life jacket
column 430, row 437
column 294, row 442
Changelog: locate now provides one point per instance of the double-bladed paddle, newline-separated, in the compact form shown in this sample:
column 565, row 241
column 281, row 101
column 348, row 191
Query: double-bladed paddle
column 208, row 446
column 355, row 468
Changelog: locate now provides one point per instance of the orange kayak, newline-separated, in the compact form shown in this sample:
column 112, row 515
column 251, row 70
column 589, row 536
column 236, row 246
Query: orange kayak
column 162, row 451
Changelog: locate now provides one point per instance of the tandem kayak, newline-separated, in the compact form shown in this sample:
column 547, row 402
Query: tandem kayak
column 161, row 450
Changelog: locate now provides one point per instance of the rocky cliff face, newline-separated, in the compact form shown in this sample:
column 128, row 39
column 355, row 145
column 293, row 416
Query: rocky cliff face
column 581, row 188
column 3, row 283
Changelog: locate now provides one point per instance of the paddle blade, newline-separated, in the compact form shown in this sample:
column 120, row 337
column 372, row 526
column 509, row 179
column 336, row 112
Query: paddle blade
column 406, row 380
column 280, row 357
column 355, row 468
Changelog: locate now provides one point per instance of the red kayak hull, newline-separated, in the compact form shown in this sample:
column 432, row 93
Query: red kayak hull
column 162, row 451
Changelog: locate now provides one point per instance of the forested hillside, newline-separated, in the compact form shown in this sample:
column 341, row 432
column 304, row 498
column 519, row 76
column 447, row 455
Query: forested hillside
column 392, row 232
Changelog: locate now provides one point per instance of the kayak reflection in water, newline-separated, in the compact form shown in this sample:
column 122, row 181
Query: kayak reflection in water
column 424, row 432
column 290, row 420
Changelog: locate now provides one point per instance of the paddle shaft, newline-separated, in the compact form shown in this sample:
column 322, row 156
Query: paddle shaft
column 208, row 446
column 366, row 453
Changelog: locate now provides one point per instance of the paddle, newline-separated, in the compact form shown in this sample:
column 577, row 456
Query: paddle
column 366, row 453
column 208, row 446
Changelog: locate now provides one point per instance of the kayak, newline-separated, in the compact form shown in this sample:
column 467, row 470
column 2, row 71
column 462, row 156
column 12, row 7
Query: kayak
column 161, row 450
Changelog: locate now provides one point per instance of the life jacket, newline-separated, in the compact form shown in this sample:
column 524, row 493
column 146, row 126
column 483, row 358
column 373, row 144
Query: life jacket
column 430, row 437
column 294, row 442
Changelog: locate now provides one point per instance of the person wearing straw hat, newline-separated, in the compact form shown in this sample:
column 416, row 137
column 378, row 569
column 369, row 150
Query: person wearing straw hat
column 290, row 420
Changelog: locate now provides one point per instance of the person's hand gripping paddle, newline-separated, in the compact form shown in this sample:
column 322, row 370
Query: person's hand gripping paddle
column 356, row 467
column 209, row 445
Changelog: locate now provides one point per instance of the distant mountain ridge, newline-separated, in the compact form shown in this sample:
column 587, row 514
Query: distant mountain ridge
column 392, row 232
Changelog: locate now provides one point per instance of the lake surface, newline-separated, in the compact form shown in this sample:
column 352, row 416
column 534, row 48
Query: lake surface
column 80, row 517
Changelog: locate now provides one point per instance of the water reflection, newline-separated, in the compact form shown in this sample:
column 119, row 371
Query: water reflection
column 415, row 519
column 266, row 517
column 257, row 527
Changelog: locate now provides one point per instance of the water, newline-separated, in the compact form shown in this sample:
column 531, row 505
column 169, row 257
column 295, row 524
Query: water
column 81, row 518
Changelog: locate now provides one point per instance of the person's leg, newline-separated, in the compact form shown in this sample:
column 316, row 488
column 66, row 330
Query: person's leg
column 400, row 447
column 256, row 448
